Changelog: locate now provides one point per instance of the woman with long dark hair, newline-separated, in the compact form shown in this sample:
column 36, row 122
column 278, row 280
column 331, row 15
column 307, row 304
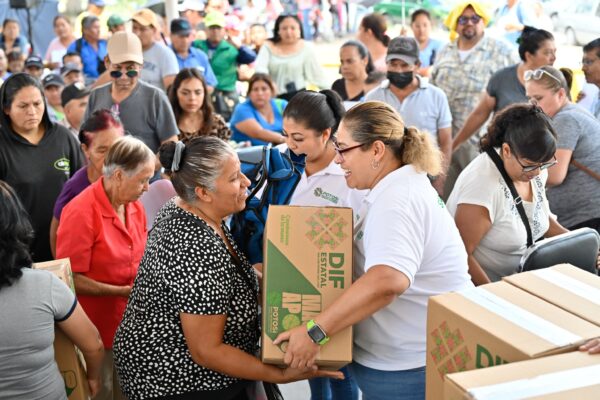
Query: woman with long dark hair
column 37, row 156
column 193, row 109
column 289, row 59
column 35, row 302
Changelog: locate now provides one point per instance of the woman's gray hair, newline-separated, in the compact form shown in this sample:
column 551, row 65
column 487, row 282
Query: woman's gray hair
column 127, row 154
column 200, row 165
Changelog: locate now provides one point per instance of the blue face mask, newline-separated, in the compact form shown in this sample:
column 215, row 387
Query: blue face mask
column 400, row 79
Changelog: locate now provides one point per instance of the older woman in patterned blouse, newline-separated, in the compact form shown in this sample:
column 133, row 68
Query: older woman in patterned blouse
column 191, row 326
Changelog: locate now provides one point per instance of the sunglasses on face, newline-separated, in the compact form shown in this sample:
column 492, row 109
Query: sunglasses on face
column 536, row 75
column 463, row 20
column 132, row 73
column 531, row 168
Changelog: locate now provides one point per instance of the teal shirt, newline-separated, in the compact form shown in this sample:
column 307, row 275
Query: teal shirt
column 224, row 60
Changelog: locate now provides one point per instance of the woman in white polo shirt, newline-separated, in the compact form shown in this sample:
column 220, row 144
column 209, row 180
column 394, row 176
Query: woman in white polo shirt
column 408, row 249
column 310, row 121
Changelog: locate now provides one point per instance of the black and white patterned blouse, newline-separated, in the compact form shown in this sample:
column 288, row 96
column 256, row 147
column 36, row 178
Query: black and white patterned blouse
column 185, row 269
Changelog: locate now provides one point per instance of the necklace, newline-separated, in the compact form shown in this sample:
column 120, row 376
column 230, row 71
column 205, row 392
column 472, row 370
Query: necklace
column 209, row 221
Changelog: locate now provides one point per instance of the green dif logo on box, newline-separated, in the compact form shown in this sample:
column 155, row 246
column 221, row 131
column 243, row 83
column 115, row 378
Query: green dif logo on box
column 291, row 298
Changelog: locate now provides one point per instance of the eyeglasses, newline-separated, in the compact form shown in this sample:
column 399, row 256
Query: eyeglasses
column 536, row 75
column 340, row 151
column 587, row 62
column 131, row 73
column 531, row 168
column 463, row 19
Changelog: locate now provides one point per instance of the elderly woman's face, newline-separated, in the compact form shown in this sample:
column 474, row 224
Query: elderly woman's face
column 231, row 189
column 26, row 110
column 131, row 188
column 99, row 146
column 354, row 161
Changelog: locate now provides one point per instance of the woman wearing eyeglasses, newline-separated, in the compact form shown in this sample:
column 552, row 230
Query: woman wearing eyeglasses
column 574, row 184
column 407, row 248
column 507, row 86
column 482, row 204
column 143, row 109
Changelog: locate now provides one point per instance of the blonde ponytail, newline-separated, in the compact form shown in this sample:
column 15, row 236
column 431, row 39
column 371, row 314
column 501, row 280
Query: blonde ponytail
column 419, row 151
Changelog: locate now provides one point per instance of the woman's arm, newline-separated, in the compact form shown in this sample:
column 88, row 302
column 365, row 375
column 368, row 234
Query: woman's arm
column 252, row 128
column 376, row 289
column 473, row 223
column 204, row 338
column 53, row 229
column 476, row 119
column 90, row 287
column 555, row 228
column 85, row 336
column 558, row 173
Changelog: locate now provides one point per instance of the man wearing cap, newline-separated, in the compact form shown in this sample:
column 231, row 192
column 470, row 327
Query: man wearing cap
column 115, row 23
column 419, row 103
column 192, row 11
column 188, row 56
column 90, row 47
column 74, row 99
column 71, row 73
column 53, row 85
column 144, row 109
column 462, row 70
column 160, row 64
column 34, row 66
column 224, row 56
column 96, row 8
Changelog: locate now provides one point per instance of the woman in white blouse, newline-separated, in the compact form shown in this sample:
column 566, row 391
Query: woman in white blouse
column 289, row 59
column 482, row 205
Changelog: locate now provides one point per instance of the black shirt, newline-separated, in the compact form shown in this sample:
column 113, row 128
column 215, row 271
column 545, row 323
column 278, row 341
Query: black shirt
column 339, row 86
column 37, row 173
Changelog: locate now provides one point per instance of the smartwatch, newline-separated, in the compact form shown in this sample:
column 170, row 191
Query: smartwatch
column 316, row 333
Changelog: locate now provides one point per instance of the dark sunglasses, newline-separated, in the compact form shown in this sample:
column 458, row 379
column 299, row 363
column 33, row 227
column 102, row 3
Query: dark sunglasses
column 463, row 20
column 132, row 73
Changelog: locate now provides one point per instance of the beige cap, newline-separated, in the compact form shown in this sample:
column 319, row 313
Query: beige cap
column 146, row 17
column 124, row 47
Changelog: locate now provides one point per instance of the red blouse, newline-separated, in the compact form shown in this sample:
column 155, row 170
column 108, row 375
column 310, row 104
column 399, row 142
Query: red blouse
column 103, row 249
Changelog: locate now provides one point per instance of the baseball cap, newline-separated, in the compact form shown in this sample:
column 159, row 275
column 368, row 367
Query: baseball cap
column 123, row 47
column 194, row 5
column 34, row 61
column 52, row 80
column 146, row 17
column 115, row 20
column 74, row 91
column 68, row 68
column 403, row 48
column 181, row 26
column 214, row 18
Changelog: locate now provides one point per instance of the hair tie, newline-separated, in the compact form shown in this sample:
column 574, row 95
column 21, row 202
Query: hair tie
column 179, row 146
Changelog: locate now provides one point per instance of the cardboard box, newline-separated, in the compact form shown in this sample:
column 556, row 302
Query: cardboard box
column 307, row 265
column 69, row 359
column 493, row 325
column 565, row 286
column 568, row 376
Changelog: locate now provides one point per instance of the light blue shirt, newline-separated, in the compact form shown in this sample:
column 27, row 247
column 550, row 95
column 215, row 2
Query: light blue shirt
column 426, row 108
column 596, row 107
column 428, row 54
column 197, row 59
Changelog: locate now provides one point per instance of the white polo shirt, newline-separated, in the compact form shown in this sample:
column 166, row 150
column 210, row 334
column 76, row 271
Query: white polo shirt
column 405, row 225
column 426, row 108
column 326, row 188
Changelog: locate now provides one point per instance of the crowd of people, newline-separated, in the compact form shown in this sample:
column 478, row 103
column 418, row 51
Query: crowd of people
column 118, row 151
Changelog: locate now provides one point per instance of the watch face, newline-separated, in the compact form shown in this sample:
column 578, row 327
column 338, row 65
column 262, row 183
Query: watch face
column 316, row 334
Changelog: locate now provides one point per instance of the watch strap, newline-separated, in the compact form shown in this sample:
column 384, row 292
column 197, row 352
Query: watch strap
column 312, row 326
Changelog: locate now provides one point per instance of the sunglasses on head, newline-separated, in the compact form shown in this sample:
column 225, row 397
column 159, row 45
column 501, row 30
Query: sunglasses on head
column 132, row 73
column 536, row 75
column 463, row 20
